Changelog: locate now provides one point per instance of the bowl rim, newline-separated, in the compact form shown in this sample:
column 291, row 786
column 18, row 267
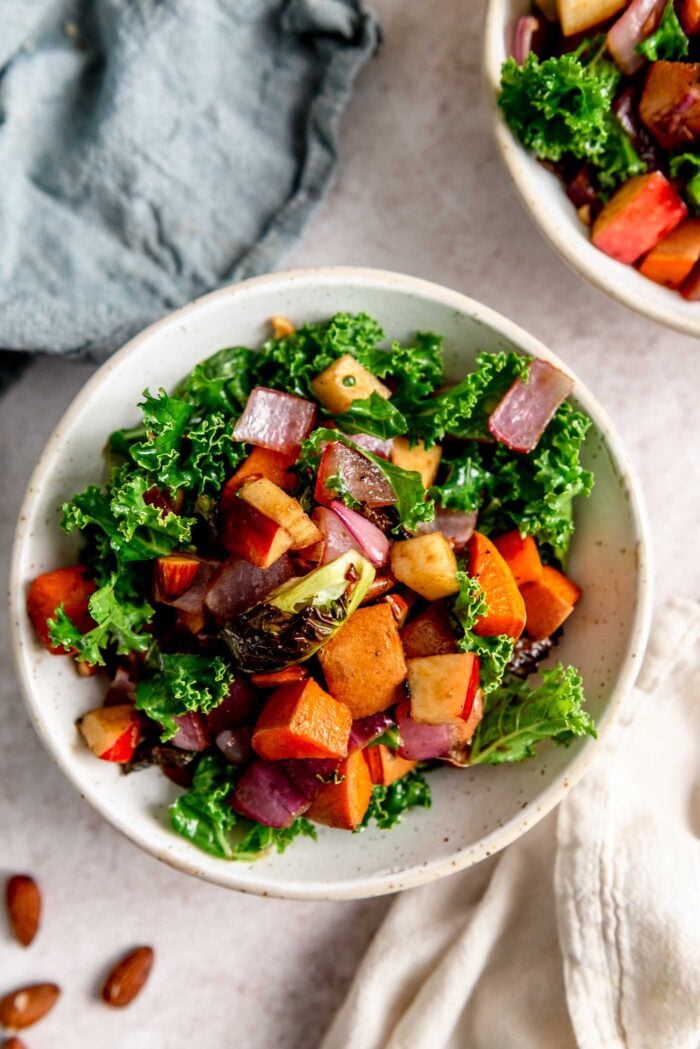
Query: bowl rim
column 388, row 881
column 516, row 160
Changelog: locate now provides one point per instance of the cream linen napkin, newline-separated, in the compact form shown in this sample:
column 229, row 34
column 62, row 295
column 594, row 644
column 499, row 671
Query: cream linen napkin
column 586, row 932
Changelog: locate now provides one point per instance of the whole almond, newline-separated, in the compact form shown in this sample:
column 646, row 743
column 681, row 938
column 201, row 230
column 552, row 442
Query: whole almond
column 128, row 976
column 24, row 1007
column 13, row 1043
column 23, row 901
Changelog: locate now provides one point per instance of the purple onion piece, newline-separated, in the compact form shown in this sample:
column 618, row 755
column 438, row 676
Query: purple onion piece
column 365, row 730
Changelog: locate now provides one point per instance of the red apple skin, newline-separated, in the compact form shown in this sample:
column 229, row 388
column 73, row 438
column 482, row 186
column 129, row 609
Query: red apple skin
column 251, row 535
column 174, row 575
column 111, row 733
column 637, row 217
column 472, row 689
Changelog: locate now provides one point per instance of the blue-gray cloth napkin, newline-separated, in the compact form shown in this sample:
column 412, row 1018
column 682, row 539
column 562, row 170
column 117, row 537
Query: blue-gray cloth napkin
column 151, row 150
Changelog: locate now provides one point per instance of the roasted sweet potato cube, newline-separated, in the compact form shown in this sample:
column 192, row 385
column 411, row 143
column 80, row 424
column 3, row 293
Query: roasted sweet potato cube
column 429, row 634
column 549, row 601
column 70, row 587
column 670, row 103
column 385, row 765
column 300, row 720
column 363, row 663
column 343, row 804
column 424, row 461
column 690, row 16
column 642, row 212
column 263, row 462
column 674, row 257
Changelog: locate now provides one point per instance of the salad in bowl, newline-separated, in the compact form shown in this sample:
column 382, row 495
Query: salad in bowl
column 316, row 572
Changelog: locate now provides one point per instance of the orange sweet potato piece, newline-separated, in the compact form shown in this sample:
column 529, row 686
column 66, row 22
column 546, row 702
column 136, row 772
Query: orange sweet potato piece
column 429, row 634
column 344, row 804
column 637, row 217
column 674, row 257
column 505, row 609
column 548, row 602
column 385, row 765
column 288, row 676
column 670, row 103
column 263, row 462
column 520, row 554
column 69, row 587
column 690, row 16
column 302, row 721
column 363, row 663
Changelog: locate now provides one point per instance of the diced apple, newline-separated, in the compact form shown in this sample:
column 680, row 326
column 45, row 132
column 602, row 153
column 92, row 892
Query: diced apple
column 439, row 687
column 426, row 564
column 424, row 461
column 575, row 16
column 429, row 634
column 385, row 765
column 111, row 733
column 476, row 713
column 690, row 16
column 268, row 499
column 637, row 217
column 670, row 103
column 674, row 257
column 173, row 575
column 251, row 535
column 345, row 381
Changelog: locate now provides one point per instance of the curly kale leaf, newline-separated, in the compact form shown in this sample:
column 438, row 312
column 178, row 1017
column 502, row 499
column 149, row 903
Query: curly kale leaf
column 182, row 683
column 517, row 717
column 668, row 42
column 388, row 804
column 494, row 652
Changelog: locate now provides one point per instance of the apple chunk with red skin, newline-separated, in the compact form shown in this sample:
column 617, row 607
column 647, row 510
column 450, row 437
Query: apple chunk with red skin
column 111, row 733
column 442, row 688
column 640, row 214
column 173, row 575
column 249, row 534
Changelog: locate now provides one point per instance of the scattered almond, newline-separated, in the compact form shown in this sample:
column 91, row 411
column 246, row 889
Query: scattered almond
column 281, row 326
column 23, row 907
column 128, row 976
column 24, row 1007
column 14, row 1043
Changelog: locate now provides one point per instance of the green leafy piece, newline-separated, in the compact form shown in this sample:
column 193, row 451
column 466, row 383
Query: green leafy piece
column 562, row 107
column 668, row 43
column 259, row 839
column 182, row 683
column 494, row 652
column 411, row 506
column 416, row 370
column 465, row 482
column 223, row 381
column 687, row 166
column 165, row 421
column 375, row 415
column 120, row 620
column 517, row 717
column 463, row 410
column 390, row 738
column 203, row 816
column 388, row 804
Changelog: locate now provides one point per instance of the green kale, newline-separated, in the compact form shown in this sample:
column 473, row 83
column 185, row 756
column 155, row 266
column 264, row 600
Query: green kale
column 375, row 415
column 465, row 481
column 223, row 381
column 562, row 107
column 517, row 717
column 494, row 652
column 203, row 816
column 415, row 370
column 120, row 619
column 668, row 43
column 463, row 410
column 390, row 738
column 687, row 166
column 182, row 683
column 412, row 506
column 388, row 804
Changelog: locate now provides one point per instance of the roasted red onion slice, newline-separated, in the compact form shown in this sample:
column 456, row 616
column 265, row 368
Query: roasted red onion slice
column 266, row 793
column 632, row 27
column 235, row 744
column 240, row 705
column 524, row 412
column 456, row 525
column 369, row 539
column 276, row 420
column 192, row 732
column 238, row 585
column 528, row 36
column 337, row 537
column 421, row 742
column 362, row 479
column 377, row 445
column 365, row 730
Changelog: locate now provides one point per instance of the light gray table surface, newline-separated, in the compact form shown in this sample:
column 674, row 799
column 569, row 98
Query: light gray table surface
column 420, row 190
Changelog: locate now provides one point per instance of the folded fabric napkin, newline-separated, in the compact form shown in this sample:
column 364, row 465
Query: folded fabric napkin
column 153, row 150
column 586, row 932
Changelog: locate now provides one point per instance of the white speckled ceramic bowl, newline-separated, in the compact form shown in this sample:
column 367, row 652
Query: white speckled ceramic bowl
column 545, row 199
column 474, row 813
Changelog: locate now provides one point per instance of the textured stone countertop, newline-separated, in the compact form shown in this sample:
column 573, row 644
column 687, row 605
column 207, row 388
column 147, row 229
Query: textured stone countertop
column 421, row 190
